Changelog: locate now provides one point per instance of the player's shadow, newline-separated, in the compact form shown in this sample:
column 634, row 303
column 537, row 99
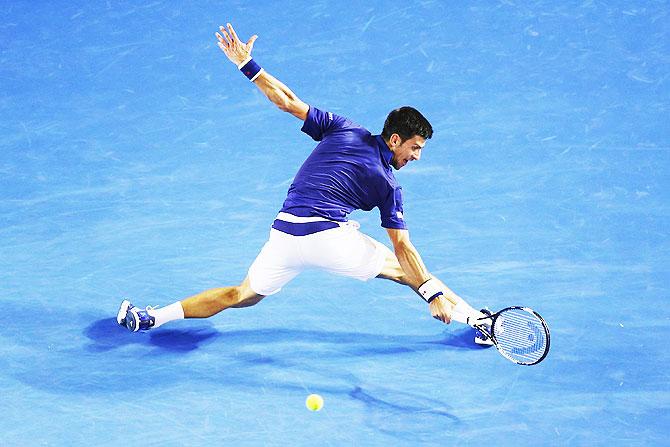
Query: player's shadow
column 106, row 335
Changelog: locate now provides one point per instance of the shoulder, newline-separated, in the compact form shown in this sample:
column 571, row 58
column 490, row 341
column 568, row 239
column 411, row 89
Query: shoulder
column 327, row 121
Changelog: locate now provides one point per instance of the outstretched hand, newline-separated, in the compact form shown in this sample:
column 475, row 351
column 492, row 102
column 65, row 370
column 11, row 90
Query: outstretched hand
column 236, row 50
column 440, row 308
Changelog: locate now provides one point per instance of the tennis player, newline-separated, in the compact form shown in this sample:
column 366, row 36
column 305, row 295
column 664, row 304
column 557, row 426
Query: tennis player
column 349, row 169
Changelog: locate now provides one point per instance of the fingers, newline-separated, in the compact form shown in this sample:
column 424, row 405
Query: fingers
column 440, row 311
column 232, row 32
column 226, row 39
column 221, row 42
column 250, row 44
column 444, row 318
column 236, row 50
column 230, row 37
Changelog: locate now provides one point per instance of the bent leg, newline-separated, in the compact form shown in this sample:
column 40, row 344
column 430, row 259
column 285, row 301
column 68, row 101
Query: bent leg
column 271, row 269
column 393, row 271
column 211, row 302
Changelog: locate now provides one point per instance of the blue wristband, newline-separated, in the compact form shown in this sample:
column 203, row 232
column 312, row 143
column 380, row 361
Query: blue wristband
column 251, row 70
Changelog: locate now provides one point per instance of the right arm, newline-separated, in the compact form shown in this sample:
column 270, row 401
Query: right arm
column 278, row 93
column 417, row 274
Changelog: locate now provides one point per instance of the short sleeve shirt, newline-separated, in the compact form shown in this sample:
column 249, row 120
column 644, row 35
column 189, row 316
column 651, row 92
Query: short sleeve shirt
column 349, row 169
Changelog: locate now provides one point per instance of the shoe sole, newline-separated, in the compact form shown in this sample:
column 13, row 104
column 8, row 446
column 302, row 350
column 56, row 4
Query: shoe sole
column 132, row 320
column 481, row 342
column 123, row 310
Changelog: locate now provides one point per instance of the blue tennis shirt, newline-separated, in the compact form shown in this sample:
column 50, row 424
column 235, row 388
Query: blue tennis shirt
column 349, row 169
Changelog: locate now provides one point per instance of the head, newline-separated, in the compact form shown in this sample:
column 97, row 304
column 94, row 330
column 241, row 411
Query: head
column 406, row 131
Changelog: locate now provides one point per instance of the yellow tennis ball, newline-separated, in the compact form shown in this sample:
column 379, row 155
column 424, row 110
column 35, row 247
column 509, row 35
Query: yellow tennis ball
column 314, row 402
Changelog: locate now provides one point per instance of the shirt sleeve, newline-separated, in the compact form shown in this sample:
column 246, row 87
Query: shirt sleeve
column 319, row 123
column 391, row 210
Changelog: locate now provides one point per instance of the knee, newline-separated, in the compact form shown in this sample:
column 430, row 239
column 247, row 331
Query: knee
column 396, row 275
column 235, row 294
column 249, row 302
column 245, row 296
column 225, row 295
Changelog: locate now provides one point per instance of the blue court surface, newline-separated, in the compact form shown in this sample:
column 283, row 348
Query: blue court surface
column 136, row 161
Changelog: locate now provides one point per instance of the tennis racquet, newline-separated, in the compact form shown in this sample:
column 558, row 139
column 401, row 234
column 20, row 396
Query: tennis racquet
column 519, row 333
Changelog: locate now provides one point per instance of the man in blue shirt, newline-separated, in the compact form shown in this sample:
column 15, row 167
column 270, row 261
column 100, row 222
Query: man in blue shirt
column 349, row 169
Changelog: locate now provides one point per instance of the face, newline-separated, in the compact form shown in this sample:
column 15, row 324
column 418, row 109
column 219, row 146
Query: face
column 405, row 151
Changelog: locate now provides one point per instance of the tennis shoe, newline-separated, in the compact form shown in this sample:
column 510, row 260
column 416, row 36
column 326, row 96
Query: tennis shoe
column 135, row 319
column 123, row 310
column 480, row 337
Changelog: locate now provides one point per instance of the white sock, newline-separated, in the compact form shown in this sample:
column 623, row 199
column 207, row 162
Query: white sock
column 168, row 313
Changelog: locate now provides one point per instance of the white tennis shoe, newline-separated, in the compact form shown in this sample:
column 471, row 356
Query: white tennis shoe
column 481, row 338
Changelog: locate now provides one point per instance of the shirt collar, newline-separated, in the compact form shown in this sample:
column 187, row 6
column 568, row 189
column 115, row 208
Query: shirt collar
column 384, row 150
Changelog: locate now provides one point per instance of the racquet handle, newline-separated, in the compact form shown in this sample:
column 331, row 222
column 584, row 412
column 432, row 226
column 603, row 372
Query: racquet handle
column 463, row 318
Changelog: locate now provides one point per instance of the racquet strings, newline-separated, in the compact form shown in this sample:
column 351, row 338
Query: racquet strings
column 521, row 336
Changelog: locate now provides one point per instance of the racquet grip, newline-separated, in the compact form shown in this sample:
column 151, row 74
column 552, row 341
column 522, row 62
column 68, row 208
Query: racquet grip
column 462, row 318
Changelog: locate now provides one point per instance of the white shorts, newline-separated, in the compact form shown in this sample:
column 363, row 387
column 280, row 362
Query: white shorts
column 344, row 251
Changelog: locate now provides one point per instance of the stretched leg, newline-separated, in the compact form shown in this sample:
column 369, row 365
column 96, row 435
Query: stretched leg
column 202, row 305
column 211, row 302
column 269, row 271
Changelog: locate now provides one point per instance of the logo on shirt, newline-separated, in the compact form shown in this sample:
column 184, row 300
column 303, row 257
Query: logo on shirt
column 399, row 214
column 330, row 116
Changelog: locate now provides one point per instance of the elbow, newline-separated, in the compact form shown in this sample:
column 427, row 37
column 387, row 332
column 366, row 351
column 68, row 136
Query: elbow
column 295, row 107
column 285, row 106
column 280, row 99
column 287, row 102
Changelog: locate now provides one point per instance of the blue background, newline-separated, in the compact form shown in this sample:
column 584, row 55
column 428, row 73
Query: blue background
column 135, row 161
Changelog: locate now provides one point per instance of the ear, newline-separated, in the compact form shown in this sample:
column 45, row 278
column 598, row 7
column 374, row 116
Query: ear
column 395, row 140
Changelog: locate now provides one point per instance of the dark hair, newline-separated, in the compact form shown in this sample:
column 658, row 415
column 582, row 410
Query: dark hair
column 406, row 122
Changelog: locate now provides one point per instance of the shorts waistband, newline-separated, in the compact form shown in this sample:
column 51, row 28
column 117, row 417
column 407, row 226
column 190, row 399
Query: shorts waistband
column 303, row 226
column 286, row 217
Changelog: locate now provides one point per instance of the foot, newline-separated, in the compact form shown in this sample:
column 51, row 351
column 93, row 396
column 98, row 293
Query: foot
column 480, row 337
column 135, row 319
column 123, row 309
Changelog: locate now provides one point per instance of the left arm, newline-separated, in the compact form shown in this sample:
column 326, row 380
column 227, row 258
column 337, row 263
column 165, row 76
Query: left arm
column 281, row 96
column 276, row 91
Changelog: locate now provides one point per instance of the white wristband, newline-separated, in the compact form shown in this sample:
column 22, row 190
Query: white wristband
column 430, row 290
